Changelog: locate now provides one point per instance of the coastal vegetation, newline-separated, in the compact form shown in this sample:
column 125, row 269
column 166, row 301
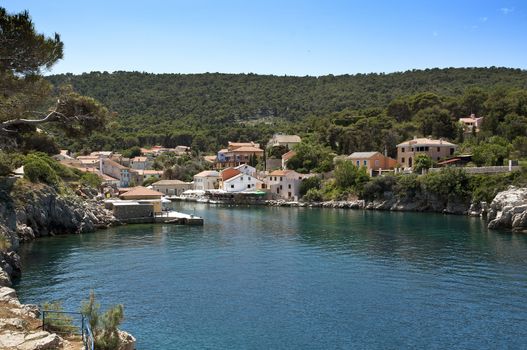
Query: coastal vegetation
column 104, row 326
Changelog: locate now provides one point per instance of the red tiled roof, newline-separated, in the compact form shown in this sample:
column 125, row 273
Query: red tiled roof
column 228, row 173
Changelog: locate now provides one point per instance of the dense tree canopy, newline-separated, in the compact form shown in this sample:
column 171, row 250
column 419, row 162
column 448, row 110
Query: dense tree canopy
column 24, row 55
column 347, row 113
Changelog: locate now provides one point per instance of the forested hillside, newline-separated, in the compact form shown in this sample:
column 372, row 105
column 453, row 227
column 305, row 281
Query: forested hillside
column 207, row 110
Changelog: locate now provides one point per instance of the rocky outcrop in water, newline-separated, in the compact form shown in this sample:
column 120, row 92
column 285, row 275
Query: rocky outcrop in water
column 509, row 210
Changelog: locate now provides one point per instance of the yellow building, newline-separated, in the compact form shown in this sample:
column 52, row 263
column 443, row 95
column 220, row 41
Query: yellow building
column 435, row 149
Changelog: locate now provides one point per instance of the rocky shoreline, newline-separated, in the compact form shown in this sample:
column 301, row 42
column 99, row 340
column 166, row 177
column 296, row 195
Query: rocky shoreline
column 508, row 210
column 29, row 211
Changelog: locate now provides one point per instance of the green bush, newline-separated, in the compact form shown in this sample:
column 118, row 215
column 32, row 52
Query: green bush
column 422, row 162
column 6, row 167
column 309, row 183
column 59, row 170
column 378, row 186
column 91, row 180
column 407, row 186
column 447, row 183
column 350, row 177
column 37, row 170
column 104, row 327
column 313, row 195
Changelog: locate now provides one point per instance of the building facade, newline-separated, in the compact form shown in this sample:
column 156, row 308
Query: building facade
column 206, row 180
column 435, row 149
column 372, row 161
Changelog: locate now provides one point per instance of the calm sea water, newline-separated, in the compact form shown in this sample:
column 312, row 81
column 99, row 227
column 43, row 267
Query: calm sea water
column 296, row 278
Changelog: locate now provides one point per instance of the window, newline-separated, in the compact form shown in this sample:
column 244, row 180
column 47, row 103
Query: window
column 289, row 186
column 280, row 178
column 376, row 162
column 402, row 160
column 427, row 149
column 232, row 186
column 439, row 149
column 248, row 185
column 365, row 163
column 358, row 163
column 451, row 151
column 402, row 149
column 280, row 186
column 277, row 190
column 241, row 178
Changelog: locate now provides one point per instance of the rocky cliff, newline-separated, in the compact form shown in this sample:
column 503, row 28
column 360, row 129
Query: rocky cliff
column 31, row 210
column 28, row 211
column 509, row 210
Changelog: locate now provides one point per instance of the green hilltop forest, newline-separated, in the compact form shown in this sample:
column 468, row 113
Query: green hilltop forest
column 344, row 113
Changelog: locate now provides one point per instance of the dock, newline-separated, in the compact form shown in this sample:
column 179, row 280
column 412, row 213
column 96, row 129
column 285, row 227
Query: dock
column 177, row 218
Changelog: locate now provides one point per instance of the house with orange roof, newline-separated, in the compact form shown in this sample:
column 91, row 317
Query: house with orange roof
column 285, row 158
column 284, row 184
column 238, row 153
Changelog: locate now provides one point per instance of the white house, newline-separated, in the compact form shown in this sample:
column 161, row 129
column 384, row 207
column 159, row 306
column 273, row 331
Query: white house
column 241, row 182
column 288, row 141
column 285, row 184
column 206, row 180
column 246, row 169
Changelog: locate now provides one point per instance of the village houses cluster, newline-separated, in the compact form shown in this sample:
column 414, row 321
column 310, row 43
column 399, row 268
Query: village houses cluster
column 234, row 167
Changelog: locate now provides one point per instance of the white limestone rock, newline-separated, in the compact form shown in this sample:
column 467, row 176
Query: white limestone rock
column 509, row 210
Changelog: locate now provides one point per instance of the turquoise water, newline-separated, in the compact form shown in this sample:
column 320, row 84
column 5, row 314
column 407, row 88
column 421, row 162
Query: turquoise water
column 296, row 278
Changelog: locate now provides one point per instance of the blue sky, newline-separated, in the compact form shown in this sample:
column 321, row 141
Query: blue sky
column 281, row 36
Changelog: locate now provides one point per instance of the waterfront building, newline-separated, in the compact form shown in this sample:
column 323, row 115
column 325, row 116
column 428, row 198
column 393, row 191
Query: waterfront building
column 241, row 182
column 435, row 149
column 172, row 187
column 284, row 184
column 206, row 180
